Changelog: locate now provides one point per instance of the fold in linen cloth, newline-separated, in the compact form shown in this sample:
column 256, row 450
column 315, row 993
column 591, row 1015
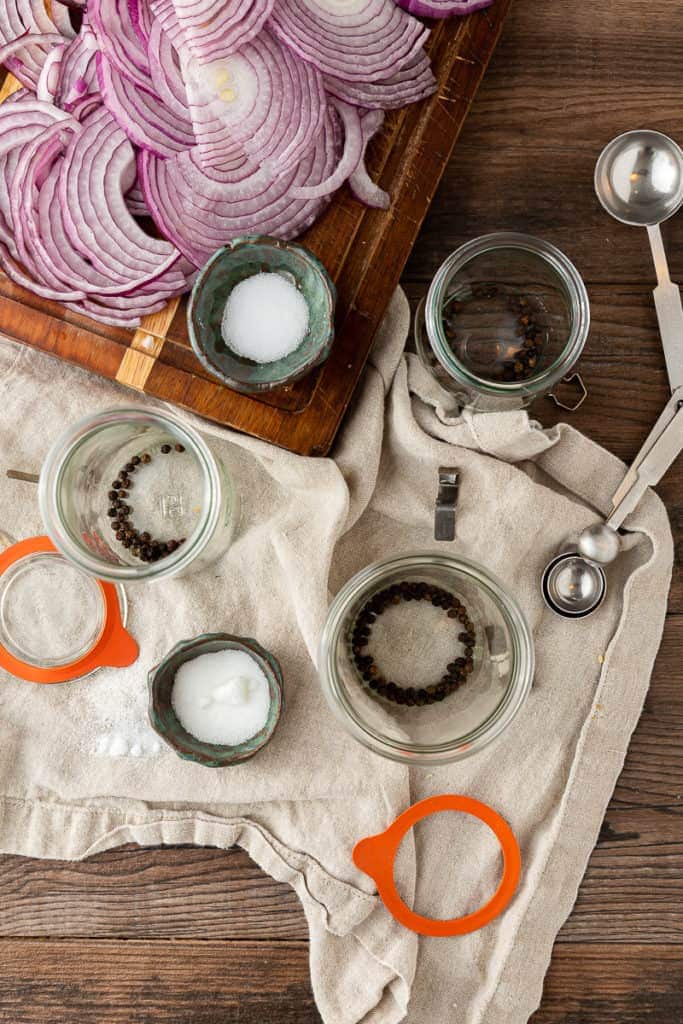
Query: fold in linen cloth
column 299, row 807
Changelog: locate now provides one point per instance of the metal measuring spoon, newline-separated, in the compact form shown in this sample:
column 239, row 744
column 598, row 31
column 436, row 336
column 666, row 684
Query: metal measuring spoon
column 573, row 586
column 639, row 181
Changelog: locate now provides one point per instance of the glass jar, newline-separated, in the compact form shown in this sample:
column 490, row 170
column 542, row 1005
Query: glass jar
column 467, row 719
column 178, row 492
column 504, row 322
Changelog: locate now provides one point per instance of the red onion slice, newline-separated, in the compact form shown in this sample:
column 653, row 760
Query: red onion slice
column 360, row 182
column 443, row 8
column 413, row 82
column 141, row 113
column 214, row 30
column 118, row 39
column 77, row 72
column 350, row 158
column 261, row 97
column 200, row 213
column 357, row 40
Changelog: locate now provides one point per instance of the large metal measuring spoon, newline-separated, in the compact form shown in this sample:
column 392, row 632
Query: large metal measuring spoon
column 639, row 181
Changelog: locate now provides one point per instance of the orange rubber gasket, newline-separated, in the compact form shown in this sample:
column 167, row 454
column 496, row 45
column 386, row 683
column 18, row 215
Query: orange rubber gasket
column 115, row 647
column 375, row 856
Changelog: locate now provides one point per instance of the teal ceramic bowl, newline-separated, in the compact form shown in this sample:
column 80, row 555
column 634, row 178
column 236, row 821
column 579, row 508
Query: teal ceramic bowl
column 163, row 718
column 243, row 258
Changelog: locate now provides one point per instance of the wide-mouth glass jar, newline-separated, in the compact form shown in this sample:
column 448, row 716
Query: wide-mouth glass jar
column 175, row 491
column 411, row 642
column 504, row 322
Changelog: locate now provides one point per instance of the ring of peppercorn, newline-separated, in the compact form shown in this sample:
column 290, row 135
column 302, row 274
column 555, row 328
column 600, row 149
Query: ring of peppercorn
column 457, row 671
column 141, row 544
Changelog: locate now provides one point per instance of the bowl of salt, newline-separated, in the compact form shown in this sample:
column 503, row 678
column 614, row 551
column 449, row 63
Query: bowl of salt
column 261, row 314
column 216, row 699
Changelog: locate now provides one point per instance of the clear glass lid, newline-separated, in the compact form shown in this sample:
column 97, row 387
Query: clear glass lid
column 51, row 614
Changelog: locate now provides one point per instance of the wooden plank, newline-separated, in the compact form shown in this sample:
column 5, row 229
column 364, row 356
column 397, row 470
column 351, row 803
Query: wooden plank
column 130, row 982
column 365, row 251
column 601, row 984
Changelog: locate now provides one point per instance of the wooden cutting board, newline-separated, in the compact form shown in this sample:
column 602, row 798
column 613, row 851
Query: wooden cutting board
column 364, row 250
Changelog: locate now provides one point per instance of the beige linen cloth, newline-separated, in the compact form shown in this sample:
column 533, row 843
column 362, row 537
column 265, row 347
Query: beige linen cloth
column 299, row 807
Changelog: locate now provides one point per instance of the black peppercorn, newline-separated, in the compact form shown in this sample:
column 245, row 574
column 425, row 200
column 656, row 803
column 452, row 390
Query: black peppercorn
column 145, row 459
column 457, row 670
column 112, row 512
column 135, row 461
column 165, row 448
column 179, row 447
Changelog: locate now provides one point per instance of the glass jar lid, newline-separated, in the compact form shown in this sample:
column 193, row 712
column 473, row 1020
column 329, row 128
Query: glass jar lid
column 56, row 622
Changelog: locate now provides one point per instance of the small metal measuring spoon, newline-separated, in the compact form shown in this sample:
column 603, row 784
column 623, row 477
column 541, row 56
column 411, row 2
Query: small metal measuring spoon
column 639, row 181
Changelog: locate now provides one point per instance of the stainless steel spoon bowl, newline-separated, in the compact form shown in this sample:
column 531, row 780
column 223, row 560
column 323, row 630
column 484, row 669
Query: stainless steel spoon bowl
column 639, row 178
column 573, row 586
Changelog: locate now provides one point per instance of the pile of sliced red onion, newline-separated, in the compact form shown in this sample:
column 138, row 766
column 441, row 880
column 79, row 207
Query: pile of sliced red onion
column 216, row 118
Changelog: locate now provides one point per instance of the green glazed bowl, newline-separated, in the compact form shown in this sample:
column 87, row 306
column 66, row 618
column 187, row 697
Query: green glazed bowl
column 243, row 258
column 163, row 718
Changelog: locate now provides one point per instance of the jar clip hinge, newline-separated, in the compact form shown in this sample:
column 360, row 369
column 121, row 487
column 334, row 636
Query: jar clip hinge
column 446, row 503
column 577, row 379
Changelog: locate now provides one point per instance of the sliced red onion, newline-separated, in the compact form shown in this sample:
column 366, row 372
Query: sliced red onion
column 360, row 182
column 164, row 65
column 141, row 113
column 118, row 39
column 59, row 13
column 19, row 19
column 214, row 30
column 413, row 82
column 357, row 40
column 350, row 158
column 33, row 39
column 77, row 72
column 200, row 213
column 261, row 97
column 443, row 8
column 48, row 80
column 96, row 218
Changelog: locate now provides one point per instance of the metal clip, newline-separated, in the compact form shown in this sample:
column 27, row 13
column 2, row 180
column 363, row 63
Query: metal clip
column 577, row 379
column 446, row 502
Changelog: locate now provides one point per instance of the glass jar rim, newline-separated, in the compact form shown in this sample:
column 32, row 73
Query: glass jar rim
column 53, row 470
column 487, row 731
column 563, row 267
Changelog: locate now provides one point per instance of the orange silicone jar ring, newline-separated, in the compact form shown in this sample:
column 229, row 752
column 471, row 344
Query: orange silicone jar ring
column 375, row 856
column 114, row 648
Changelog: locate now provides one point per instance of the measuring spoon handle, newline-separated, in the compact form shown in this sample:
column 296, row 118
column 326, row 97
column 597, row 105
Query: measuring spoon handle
column 667, row 296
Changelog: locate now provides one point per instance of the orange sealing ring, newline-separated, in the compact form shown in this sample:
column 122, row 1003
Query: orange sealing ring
column 115, row 647
column 375, row 856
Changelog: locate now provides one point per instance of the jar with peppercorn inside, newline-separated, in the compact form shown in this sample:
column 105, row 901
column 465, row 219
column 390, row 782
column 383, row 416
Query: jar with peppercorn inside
column 505, row 322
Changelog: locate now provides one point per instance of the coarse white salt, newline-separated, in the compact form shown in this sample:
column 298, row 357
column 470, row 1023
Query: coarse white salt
column 222, row 697
column 265, row 318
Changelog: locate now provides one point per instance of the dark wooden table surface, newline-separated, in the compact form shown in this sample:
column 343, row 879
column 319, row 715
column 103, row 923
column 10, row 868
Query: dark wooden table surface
column 193, row 936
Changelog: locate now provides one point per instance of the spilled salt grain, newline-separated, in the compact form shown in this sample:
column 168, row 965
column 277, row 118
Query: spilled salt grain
column 222, row 697
column 265, row 318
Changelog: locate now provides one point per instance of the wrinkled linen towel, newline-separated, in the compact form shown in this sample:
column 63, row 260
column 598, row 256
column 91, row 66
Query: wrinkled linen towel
column 299, row 807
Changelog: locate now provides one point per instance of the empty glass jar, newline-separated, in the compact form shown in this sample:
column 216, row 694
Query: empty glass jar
column 504, row 322
column 176, row 492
